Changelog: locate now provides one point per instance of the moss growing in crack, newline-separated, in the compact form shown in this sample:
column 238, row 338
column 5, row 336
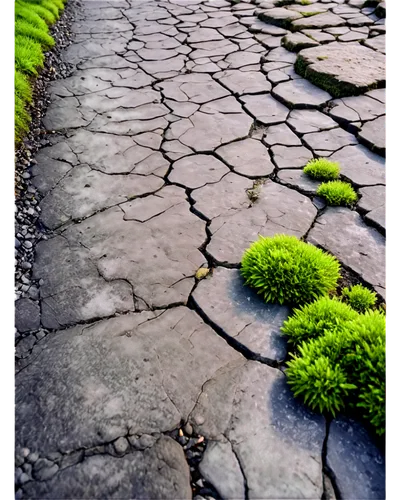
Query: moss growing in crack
column 344, row 369
column 337, row 193
column 322, row 169
column 285, row 270
column 309, row 14
column 359, row 298
column 305, row 2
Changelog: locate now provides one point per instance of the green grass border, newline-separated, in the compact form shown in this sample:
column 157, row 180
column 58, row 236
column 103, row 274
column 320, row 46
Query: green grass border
column 32, row 19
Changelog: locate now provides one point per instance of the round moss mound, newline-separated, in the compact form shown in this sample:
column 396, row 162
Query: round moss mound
column 285, row 270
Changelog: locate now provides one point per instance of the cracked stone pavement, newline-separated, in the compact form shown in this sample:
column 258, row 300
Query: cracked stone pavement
column 175, row 111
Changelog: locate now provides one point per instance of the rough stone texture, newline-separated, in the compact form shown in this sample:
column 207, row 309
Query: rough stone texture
column 298, row 179
column 248, row 157
column 357, row 464
column 158, row 472
column 297, row 41
column 342, row 232
column 241, row 313
column 196, row 171
column 301, row 93
column 244, row 82
column 329, row 140
column 291, row 157
column 373, row 133
column 111, row 373
column 221, row 468
column 342, row 69
column 162, row 100
column 371, row 198
column 237, row 222
column 265, row 109
column 282, row 439
column 360, row 166
column 27, row 315
column 304, row 121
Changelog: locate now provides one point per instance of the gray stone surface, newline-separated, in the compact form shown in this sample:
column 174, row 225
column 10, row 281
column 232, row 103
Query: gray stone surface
column 221, row 468
column 265, row 109
column 342, row 69
column 247, row 157
column 357, row 464
column 198, row 170
column 159, row 472
column 371, row 198
column 360, row 166
column 154, row 167
column 373, row 134
column 343, row 233
column 241, row 313
column 304, row 121
column 291, row 157
column 282, row 438
column 300, row 93
column 236, row 221
column 121, row 367
column 27, row 315
column 296, row 178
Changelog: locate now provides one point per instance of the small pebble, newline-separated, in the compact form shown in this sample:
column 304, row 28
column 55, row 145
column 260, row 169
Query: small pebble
column 17, row 243
column 33, row 457
column 188, row 429
column 25, row 452
column 27, row 244
column 23, row 478
column 121, row 445
column 40, row 334
column 26, row 265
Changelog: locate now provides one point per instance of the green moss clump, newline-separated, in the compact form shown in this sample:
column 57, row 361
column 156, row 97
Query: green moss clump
column 337, row 193
column 322, row 169
column 24, row 28
column 359, row 298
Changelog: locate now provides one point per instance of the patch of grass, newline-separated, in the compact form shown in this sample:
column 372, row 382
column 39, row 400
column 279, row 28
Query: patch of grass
column 24, row 28
column 32, row 18
column 284, row 269
column 359, row 298
column 314, row 320
column 322, row 169
column 344, row 369
column 305, row 2
column 337, row 193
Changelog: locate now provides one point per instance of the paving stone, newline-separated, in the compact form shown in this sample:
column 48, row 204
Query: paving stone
column 324, row 20
column 281, row 134
column 357, row 464
column 203, row 35
column 239, row 82
column 281, row 55
column 241, row 313
column 279, row 16
column 160, row 472
column 371, row 198
column 329, row 140
column 361, row 248
column 236, row 222
column 309, row 120
column 198, row 170
column 241, row 58
column 220, row 466
column 353, row 109
column 278, row 76
column 84, row 192
column 265, row 109
column 297, row 41
column 66, row 113
column 342, row 69
column 193, row 88
column 213, row 48
column 247, row 157
column 291, row 157
column 282, row 439
column 300, row 93
column 297, row 179
column 373, row 133
column 377, row 218
column 319, row 35
column 117, row 359
column 360, row 166
column 269, row 41
column 27, row 315
column 141, row 210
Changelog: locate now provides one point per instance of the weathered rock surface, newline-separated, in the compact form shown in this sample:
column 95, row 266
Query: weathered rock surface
column 265, row 109
column 198, row 170
column 373, row 133
column 342, row 69
column 300, row 93
column 241, row 313
column 247, row 157
column 343, row 233
column 27, row 315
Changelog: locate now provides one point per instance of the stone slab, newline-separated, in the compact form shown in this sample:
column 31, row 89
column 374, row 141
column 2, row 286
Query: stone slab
column 247, row 157
column 27, row 315
column 265, row 109
column 300, row 93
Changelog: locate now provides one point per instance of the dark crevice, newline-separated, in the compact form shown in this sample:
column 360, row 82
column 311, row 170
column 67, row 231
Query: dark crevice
column 238, row 346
